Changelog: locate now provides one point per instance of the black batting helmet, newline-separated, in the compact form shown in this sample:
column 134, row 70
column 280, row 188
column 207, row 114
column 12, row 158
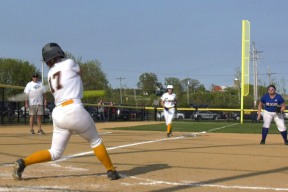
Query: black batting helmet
column 52, row 50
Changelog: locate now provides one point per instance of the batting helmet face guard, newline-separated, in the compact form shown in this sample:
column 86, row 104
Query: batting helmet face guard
column 51, row 51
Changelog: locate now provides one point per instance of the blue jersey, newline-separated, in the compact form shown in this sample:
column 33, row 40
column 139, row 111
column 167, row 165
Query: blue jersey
column 271, row 104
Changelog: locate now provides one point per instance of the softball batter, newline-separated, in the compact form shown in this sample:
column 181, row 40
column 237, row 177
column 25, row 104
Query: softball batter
column 69, row 114
column 168, row 102
column 273, row 109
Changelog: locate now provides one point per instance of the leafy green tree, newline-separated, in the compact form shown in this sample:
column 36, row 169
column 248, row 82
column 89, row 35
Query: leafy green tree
column 192, row 84
column 15, row 72
column 178, row 87
column 92, row 76
column 201, row 88
column 148, row 82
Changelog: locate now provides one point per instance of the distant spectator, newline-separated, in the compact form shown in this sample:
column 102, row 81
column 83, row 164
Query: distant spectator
column 101, row 110
column 36, row 94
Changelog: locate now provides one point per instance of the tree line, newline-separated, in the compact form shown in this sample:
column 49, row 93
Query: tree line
column 190, row 92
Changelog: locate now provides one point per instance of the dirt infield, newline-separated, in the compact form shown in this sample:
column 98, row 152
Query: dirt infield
column 148, row 161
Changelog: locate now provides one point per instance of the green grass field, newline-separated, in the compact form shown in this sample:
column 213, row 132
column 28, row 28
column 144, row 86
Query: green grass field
column 214, row 127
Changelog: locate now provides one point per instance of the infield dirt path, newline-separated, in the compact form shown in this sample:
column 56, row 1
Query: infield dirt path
column 148, row 161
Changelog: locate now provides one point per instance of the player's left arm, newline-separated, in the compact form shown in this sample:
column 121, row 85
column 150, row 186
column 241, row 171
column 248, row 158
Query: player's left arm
column 175, row 104
column 282, row 105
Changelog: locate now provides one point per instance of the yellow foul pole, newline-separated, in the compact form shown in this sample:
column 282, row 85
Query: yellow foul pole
column 245, row 63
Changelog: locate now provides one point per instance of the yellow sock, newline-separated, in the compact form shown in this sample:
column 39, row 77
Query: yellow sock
column 169, row 128
column 38, row 157
column 101, row 153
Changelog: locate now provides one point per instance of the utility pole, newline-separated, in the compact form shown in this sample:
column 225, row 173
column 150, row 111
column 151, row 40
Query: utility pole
column 255, row 57
column 238, row 86
column 269, row 75
column 120, row 79
column 42, row 72
column 188, row 82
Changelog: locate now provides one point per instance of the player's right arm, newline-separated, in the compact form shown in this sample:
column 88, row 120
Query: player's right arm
column 26, row 91
column 282, row 104
column 260, row 105
column 163, row 103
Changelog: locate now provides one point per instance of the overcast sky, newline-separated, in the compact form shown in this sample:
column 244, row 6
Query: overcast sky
column 198, row 39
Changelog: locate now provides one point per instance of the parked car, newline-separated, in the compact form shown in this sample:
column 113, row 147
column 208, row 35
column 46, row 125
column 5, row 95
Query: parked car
column 177, row 115
column 235, row 115
column 129, row 114
column 251, row 115
column 123, row 113
column 222, row 115
column 23, row 112
column 92, row 111
column 205, row 115
column 7, row 109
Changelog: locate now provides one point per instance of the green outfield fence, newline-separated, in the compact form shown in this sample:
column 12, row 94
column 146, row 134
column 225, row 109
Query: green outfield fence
column 15, row 112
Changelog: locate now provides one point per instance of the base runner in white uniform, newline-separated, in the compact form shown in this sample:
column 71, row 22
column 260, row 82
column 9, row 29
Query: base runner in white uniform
column 69, row 115
column 168, row 102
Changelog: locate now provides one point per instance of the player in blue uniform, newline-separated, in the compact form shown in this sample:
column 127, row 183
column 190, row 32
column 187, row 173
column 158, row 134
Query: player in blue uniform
column 274, row 106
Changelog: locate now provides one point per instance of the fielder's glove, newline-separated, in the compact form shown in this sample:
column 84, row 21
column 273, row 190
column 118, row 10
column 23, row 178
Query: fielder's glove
column 166, row 108
column 280, row 113
column 278, row 110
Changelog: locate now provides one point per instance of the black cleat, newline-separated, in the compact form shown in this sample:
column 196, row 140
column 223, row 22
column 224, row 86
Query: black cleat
column 285, row 142
column 32, row 132
column 19, row 167
column 262, row 142
column 169, row 134
column 113, row 175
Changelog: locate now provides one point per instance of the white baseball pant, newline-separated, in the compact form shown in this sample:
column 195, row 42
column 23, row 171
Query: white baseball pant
column 269, row 116
column 69, row 119
column 169, row 115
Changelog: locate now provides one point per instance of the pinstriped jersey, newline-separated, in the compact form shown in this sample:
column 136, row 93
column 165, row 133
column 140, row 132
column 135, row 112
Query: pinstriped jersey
column 65, row 82
column 169, row 100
